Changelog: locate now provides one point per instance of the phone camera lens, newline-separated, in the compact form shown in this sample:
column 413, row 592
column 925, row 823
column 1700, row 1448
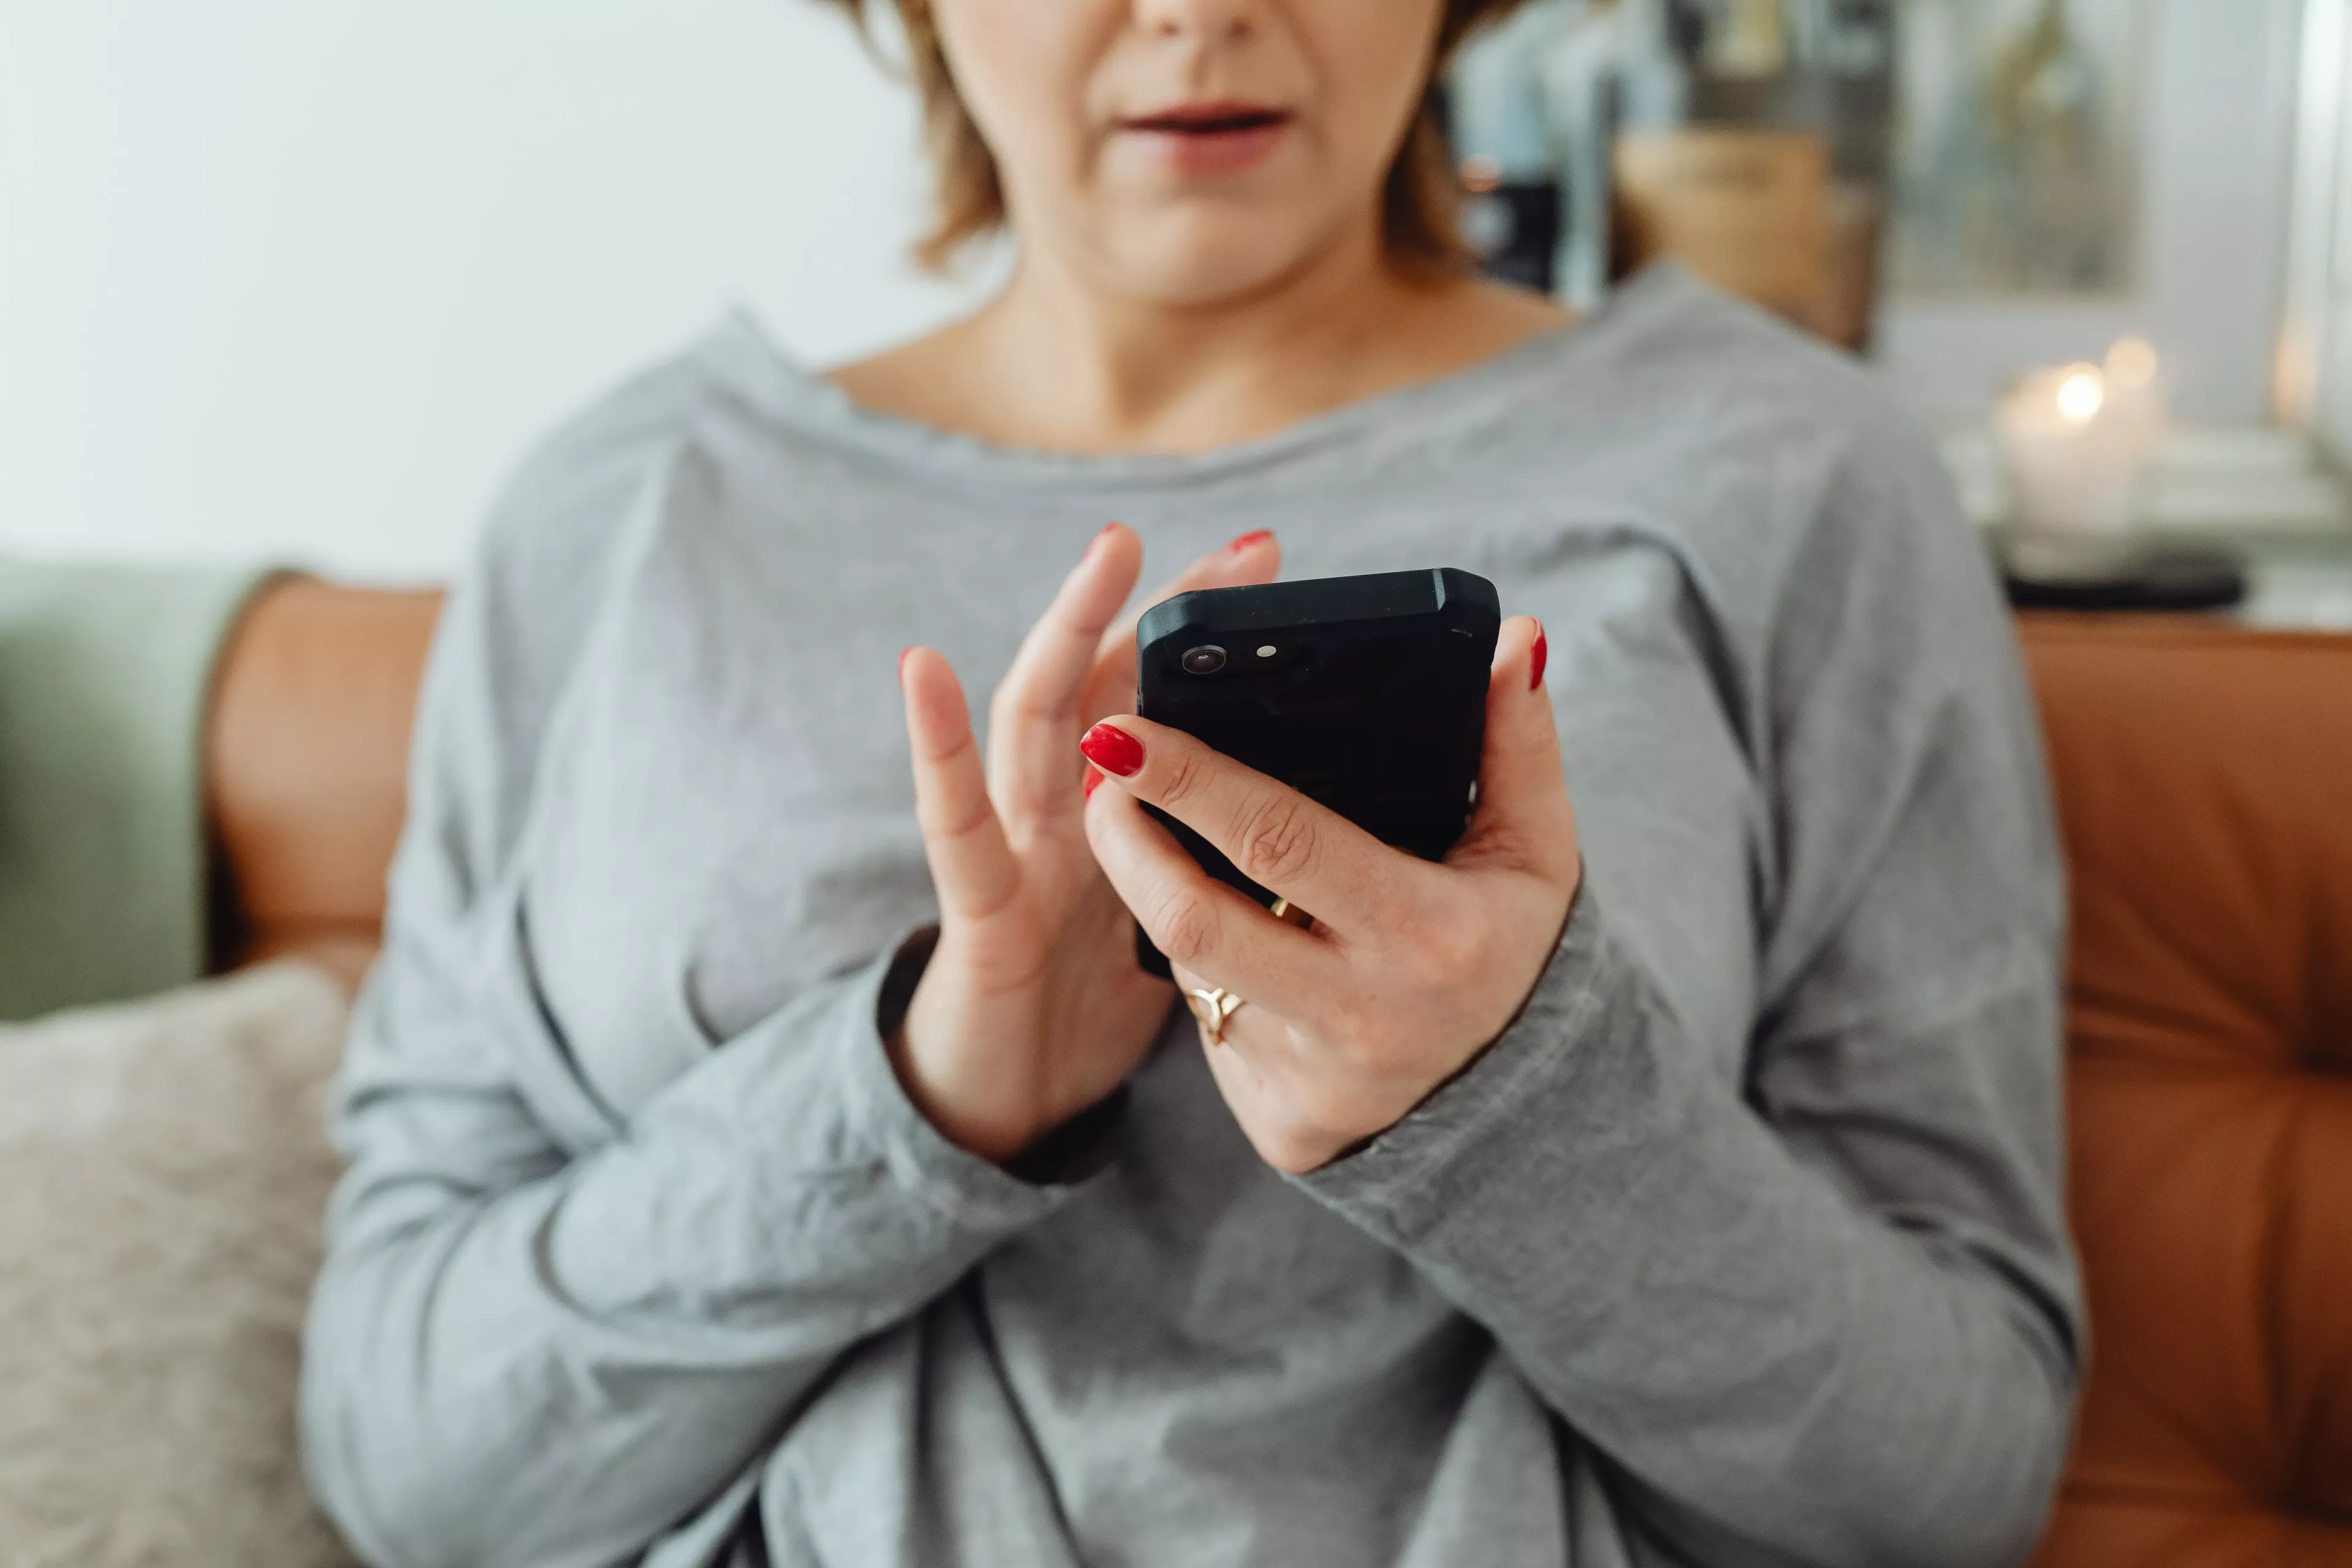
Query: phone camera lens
column 1206, row 660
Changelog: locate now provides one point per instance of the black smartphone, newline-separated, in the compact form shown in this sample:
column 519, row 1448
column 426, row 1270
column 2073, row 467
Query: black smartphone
column 1368, row 694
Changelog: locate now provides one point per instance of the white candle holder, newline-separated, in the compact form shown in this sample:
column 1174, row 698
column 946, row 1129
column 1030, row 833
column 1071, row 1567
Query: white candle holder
column 2074, row 443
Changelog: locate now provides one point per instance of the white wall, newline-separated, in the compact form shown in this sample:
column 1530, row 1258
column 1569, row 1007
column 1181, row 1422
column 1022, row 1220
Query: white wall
column 300, row 278
column 2218, row 132
column 2316, row 363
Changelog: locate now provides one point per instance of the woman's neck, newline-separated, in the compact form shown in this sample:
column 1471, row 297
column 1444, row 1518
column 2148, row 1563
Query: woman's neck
column 1053, row 363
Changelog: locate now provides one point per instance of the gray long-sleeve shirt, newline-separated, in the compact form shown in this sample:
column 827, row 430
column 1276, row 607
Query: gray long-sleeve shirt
column 1743, row 1246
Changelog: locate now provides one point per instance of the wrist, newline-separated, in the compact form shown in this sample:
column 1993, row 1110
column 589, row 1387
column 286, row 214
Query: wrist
column 935, row 1072
column 926, row 1037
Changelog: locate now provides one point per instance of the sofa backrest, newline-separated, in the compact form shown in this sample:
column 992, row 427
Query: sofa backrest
column 2204, row 785
column 305, row 754
column 2204, row 782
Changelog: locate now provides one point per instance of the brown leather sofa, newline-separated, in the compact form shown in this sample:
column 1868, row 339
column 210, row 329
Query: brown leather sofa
column 2204, row 777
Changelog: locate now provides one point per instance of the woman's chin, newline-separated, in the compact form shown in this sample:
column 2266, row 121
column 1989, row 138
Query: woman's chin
column 1196, row 264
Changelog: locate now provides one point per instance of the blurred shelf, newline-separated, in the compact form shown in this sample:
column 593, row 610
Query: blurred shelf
column 2213, row 485
column 2304, row 584
column 2262, row 493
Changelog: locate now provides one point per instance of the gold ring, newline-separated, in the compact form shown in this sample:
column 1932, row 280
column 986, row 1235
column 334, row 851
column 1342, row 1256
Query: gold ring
column 1213, row 1005
column 1281, row 910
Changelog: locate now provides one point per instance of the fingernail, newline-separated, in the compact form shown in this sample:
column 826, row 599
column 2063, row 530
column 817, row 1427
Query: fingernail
column 1094, row 781
column 1112, row 750
column 1537, row 657
column 1100, row 534
column 902, row 664
column 1246, row 540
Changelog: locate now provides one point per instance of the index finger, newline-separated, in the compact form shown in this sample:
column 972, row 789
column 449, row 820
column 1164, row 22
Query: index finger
column 1276, row 836
column 1203, row 925
column 1038, row 703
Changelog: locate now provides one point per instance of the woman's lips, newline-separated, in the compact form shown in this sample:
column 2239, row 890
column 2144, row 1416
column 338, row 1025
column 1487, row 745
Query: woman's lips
column 1197, row 139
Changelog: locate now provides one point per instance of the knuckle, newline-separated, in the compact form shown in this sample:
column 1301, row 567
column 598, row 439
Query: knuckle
column 1349, row 1024
column 1376, row 1031
column 1182, row 927
column 1440, row 942
column 1449, row 951
column 943, row 761
column 1184, row 779
column 1278, row 842
column 1054, row 707
column 1373, row 1054
column 948, row 825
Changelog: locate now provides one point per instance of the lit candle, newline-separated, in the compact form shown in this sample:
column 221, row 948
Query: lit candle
column 2073, row 441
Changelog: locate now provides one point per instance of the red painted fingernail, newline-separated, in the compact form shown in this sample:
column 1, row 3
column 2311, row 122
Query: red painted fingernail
column 1537, row 657
column 1112, row 750
column 1246, row 540
column 1094, row 781
column 902, row 664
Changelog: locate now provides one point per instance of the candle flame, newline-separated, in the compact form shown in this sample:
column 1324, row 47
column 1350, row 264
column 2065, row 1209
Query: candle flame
column 2082, row 392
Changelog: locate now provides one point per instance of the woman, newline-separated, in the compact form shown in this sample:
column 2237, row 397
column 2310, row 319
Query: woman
column 758, row 1156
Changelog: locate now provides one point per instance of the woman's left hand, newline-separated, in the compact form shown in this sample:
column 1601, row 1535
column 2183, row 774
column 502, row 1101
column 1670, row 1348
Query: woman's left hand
column 1410, row 968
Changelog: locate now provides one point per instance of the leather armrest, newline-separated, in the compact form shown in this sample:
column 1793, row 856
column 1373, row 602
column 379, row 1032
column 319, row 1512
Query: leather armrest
column 305, row 758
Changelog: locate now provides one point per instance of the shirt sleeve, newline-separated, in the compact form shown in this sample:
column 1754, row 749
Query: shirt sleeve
column 544, row 1338
column 1824, row 1310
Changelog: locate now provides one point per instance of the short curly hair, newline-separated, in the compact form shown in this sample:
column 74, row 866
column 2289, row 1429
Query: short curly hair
column 1417, row 205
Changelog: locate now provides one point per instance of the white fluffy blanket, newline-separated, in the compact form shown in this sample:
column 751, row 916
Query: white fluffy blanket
column 163, row 1169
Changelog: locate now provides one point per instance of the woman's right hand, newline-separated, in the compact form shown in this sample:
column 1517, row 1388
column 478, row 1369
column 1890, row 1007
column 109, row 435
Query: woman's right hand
column 1031, row 1007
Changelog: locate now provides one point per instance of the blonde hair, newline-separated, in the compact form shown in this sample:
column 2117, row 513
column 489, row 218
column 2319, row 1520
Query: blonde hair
column 1417, row 202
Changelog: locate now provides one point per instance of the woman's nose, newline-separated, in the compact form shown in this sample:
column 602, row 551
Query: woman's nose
column 1198, row 21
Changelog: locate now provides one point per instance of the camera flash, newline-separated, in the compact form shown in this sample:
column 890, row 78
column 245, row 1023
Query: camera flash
column 1267, row 652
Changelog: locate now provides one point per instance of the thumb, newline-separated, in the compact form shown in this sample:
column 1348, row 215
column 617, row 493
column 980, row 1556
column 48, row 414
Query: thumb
column 1524, row 818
